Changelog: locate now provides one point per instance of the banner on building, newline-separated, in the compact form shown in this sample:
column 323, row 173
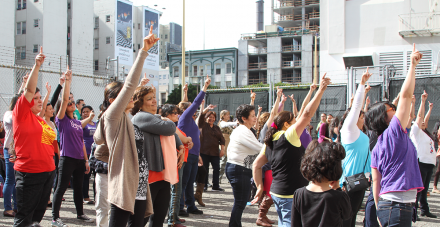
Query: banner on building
column 151, row 17
column 124, row 32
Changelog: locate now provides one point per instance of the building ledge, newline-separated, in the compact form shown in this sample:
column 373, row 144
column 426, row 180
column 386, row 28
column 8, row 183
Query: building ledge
column 419, row 25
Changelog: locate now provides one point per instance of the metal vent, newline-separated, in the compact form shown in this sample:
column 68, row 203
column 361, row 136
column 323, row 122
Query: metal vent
column 392, row 58
column 425, row 65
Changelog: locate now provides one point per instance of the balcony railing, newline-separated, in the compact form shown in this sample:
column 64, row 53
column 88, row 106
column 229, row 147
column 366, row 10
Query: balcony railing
column 289, row 17
column 313, row 15
column 297, row 32
column 419, row 24
column 296, row 3
column 291, row 48
column 257, row 81
column 262, row 50
column 259, row 65
column 291, row 78
column 296, row 63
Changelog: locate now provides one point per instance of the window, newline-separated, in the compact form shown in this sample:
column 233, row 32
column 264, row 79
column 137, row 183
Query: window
column 68, row 5
column 139, row 46
column 96, row 44
column 201, row 71
column 107, row 18
column 139, row 25
column 35, row 0
column 36, row 23
column 160, row 76
column 35, row 50
column 107, row 40
column 218, row 69
column 20, row 52
column 228, row 83
column 163, row 97
column 176, row 71
column 228, row 68
column 18, row 4
column 96, row 22
column 21, row 28
column 164, row 76
column 186, row 71
column 166, row 36
column 218, row 84
column 96, row 66
column 195, row 70
column 24, row 4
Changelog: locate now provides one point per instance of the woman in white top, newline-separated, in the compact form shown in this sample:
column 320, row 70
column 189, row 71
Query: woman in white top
column 226, row 127
column 243, row 149
column 426, row 153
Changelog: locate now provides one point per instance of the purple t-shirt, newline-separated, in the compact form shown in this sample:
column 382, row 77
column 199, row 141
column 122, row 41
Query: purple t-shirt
column 305, row 137
column 88, row 132
column 395, row 157
column 71, row 137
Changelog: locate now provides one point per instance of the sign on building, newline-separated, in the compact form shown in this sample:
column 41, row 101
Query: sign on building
column 124, row 32
column 151, row 17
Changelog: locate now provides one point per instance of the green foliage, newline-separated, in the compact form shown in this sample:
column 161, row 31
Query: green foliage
column 175, row 96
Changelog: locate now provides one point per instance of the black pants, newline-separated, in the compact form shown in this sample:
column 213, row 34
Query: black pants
column 86, row 184
column 160, row 197
column 356, row 199
column 422, row 197
column 33, row 192
column 57, row 161
column 120, row 217
column 67, row 168
column 215, row 162
column 201, row 175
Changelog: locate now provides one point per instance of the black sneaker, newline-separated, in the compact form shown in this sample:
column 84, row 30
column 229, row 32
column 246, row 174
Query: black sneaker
column 209, row 185
column 428, row 214
column 183, row 213
column 196, row 212
column 217, row 189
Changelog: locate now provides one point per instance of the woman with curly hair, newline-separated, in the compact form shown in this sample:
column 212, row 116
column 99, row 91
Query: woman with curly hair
column 318, row 204
column 283, row 150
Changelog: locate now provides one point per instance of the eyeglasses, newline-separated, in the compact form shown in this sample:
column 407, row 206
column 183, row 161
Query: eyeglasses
column 391, row 108
column 70, row 103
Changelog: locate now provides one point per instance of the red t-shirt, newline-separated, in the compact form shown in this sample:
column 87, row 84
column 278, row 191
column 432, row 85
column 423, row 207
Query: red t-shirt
column 33, row 140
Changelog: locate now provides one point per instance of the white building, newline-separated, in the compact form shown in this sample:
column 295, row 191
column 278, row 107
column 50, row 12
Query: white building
column 164, row 75
column 7, row 28
column 381, row 31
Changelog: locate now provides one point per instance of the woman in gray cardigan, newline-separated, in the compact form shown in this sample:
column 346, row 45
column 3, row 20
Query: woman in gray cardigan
column 156, row 136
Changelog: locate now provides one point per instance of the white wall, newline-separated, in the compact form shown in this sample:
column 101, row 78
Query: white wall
column 103, row 8
column 7, row 34
column 54, row 32
column 81, row 40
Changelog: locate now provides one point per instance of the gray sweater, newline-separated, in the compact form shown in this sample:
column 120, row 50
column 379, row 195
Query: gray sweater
column 153, row 127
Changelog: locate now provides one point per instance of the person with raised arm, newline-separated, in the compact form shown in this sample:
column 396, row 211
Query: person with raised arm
column 34, row 165
column 356, row 145
column 129, row 197
column 394, row 167
column 283, row 150
column 272, row 115
column 306, row 136
column 426, row 153
column 190, row 128
column 89, row 128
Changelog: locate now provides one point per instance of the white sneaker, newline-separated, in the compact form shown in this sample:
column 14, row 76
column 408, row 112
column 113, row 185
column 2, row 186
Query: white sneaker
column 36, row 224
column 85, row 218
column 58, row 223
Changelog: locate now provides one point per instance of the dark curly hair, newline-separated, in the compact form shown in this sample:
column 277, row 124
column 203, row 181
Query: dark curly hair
column 280, row 119
column 138, row 98
column 376, row 117
column 322, row 160
column 243, row 110
column 167, row 109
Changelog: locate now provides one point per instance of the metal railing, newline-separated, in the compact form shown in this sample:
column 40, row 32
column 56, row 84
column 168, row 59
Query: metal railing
column 258, row 65
column 291, row 48
column 309, row 30
column 314, row 15
column 291, row 79
column 296, row 63
column 282, row 4
column 257, row 81
column 419, row 24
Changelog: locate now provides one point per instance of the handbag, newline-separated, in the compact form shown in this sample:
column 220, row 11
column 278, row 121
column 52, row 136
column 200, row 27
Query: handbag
column 357, row 182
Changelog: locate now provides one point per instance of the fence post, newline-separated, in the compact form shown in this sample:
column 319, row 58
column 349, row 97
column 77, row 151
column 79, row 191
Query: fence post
column 60, row 65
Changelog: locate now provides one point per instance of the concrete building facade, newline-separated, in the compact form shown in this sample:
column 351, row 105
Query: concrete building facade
column 171, row 41
column 164, row 78
column 7, row 34
column 284, row 51
column 220, row 64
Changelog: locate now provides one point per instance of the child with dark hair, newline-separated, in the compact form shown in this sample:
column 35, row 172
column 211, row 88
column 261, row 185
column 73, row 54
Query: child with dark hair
column 322, row 202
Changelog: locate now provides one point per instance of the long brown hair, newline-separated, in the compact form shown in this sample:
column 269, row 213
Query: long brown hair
column 138, row 98
column 261, row 121
column 111, row 92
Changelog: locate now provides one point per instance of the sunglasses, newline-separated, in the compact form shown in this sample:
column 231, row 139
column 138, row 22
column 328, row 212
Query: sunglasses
column 70, row 103
column 391, row 108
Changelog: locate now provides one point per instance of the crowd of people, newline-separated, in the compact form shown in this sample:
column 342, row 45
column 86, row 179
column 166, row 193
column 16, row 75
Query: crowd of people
column 146, row 161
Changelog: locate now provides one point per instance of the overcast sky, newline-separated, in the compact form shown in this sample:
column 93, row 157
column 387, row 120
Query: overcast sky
column 224, row 21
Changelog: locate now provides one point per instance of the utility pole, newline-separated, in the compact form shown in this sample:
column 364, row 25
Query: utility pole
column 183, row 51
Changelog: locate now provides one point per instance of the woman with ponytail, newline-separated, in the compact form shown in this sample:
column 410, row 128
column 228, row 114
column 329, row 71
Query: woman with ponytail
column 283, row 150
column 129, row 199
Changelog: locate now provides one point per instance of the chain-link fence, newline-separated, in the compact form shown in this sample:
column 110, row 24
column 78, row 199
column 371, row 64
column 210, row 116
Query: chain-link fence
column 90, row 88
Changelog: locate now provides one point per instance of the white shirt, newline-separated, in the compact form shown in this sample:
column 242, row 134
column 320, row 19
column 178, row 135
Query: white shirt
column 227, row 124
column 7, row 122
column 243, row 147
column 424, row 145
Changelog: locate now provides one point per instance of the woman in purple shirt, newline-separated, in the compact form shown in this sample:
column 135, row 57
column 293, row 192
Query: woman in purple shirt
column 89, row 128
column 395, row 171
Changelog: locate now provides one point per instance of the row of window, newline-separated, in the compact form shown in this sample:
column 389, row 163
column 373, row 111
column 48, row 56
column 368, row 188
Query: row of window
column 107, row 41
column 21, row 51
column 162, row 76
column 217, row 71
column 107, row 19
column 21, row 26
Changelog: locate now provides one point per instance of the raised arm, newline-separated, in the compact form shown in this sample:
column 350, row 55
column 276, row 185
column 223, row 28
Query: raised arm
column 412, row 112
column 144, row 81
column 428, row 115
column 407, row 89
column 350, row 131
column 396, row 100
column 66, row 92
column 201, row 121
column 188, row 113
column 306, row 100
column 153, row 124
column 282, row 101
column 257, row 125
column 56, row 93
column 294, row 109
column 31, row 84
column 421, row 113
column 253, row 95
column 367, row 103
column 185, row 93
column 23, row 84
column 88, row 120
column 274, row 110
column 311, row 108
column 43, row 110
column 116, row 109
column 364, row 100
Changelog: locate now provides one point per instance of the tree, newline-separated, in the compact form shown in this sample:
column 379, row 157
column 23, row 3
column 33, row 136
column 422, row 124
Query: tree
column 176, row 94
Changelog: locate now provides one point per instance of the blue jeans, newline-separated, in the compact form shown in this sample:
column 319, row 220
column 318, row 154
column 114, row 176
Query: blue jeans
column 394, row 213
column 240, row 179
column 370, row 211
column 176, row 192
column 284, row 210
column 188, row 179
column 9, row 187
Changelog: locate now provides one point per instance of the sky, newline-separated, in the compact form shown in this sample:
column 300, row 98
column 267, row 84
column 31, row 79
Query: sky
column 223, row 21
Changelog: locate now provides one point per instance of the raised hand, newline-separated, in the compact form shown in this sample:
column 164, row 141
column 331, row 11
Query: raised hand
column 279, row 92
column 313, row 87
column 416, row 56
column 210, row 107
column 149, row 41
column 424, row 96
column 144, row 81
column 325, row 81
column 368, row 88
column 253, row 95
column 413, row 100
column 365, row 77
column 283, row 98
column 92, row 114
column 62, row 79
column 260, row 108
column 40, row 57
column 25, row 78
column 291, row 98
column 207, row 81
column 185, row 87
column 48, row 88
column 68, row 74
column 368, row 100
